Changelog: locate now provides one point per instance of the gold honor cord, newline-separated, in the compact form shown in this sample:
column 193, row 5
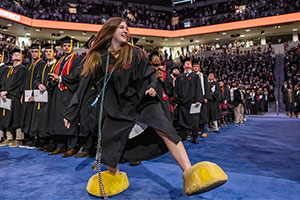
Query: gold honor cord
column 55, row 65
column 31, row 77
column 7, row 76
column 132, row 41
column 2, row 56
column 21, row 56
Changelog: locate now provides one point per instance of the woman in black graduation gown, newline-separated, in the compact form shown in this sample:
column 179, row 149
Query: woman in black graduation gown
column 130, row 100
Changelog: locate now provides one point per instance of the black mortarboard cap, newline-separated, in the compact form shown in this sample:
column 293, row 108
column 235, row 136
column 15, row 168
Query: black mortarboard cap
column 88, row 43
column 67, row 39
column 16, row 49
column 34, row 46
column 48, row 46
column 186, row 59
column 195, row 62
column 153, row 53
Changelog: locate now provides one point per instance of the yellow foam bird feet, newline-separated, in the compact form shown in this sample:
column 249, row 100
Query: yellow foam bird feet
column 202, row 177
column 113, row 183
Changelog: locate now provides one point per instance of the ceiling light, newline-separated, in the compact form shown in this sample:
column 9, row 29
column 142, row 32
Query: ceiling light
column 224, row 33
column 178, row 43
column 27, row 33
column 295, row 29
column 72, row 37
column 217, row 38
column 242, row 35
column 182, row 38
column 61, row 32
column 9, row 24
column 197, row 40
column 84, row 33
column 143, row 38
column 166, row 39
column 248, row 30
column 163, row 43
column 37, row 30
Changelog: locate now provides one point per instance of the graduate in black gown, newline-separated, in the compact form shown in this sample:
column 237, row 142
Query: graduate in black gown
column 188, row 91
column 214, row 111
column 164, row 86
column 12, row 85
column 32, row 71
column 67, row 76
column 129, row 101
column 40, row 117
column 3, row 68
column 203, row 116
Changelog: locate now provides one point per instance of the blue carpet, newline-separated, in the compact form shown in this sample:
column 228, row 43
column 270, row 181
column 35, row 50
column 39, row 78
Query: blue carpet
column 261, row 159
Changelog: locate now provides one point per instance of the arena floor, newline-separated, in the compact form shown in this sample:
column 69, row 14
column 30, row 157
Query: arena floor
column 261, row 159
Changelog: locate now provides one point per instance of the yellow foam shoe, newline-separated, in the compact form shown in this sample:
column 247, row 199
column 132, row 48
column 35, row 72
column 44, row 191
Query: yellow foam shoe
column 113, row 183
column 202, row 177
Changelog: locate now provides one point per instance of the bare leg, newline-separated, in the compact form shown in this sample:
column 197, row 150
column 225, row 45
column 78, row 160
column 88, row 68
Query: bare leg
column 177, row 150
column 113, row 170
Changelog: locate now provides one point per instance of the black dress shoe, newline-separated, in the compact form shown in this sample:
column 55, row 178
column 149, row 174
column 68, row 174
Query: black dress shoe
column 195, row 141
column 135, row 163
column 82, row 154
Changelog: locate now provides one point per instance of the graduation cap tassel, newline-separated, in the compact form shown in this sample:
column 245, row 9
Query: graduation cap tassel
column 39, row 50
column 2, row 56
column 3, row 112
column 71, row 46
column 52, row 51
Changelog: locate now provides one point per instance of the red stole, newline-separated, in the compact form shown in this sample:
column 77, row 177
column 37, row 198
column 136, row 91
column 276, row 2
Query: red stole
column 66, row 69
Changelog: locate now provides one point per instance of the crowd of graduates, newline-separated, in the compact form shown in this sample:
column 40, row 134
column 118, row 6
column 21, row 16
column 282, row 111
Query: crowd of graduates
column 146, row 16
column 222, row 88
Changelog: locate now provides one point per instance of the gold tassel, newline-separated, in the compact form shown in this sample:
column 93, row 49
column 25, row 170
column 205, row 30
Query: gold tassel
column 71, row 46
column 3, row 112
column 52, row 51
column 39, row 106
column 39, row 50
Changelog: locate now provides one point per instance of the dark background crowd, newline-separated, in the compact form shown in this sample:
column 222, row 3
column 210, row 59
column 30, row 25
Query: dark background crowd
column 147, row 16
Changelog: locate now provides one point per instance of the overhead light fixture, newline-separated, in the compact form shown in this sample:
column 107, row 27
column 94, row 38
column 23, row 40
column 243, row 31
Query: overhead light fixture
column 37, row 30
column 182, row 38
column 28, row 34
column 248, row 30
column 166, row 39
column 224, row 33
column 61, row 32
column 217, row 38
column 295, row 29
column 84, row 33
column 143, row 38
column 197, row 40
column 73, row 37
column 178, row 43
column 163, row 43
column 9, row 24
column 277, row 26
column 242, row 35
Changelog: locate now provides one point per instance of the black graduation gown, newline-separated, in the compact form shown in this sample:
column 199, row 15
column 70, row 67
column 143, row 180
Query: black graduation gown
column 203, row 116
column 27, row 107
column 214, row 111
column 62, row 98
column 187, row 91
column 13, row 84
column 126, row 104
column 3, row 72
column 40, row 117
column 165, row 92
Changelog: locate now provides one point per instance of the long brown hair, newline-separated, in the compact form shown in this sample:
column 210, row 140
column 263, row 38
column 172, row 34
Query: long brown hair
column 100, row 44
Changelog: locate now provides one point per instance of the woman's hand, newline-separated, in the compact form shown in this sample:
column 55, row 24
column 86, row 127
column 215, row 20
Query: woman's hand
column 67, row 123
column 151, row 92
